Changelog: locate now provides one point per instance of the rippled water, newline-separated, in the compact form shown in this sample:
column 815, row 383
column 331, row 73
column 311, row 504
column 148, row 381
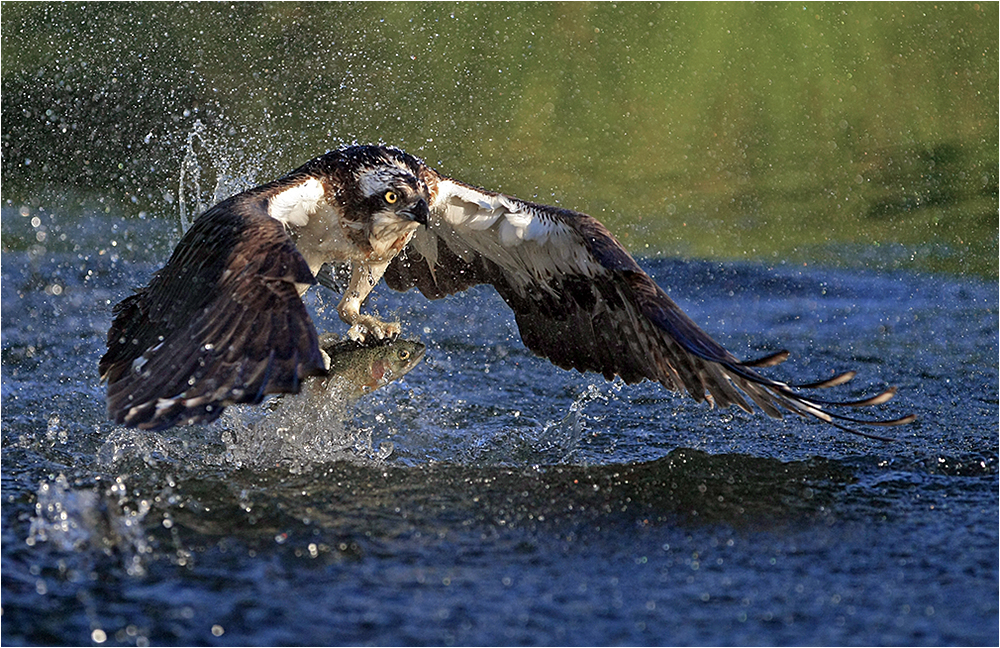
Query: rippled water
column 520, row 504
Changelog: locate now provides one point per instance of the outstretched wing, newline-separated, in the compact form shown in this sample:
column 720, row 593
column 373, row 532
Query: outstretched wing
column 582, row 301
column 221, row 323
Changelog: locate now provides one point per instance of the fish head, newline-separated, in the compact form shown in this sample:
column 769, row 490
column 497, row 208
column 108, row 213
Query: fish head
column 395, row 359
column 357, row 369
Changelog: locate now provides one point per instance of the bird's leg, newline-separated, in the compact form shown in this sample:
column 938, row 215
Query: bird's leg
column 364, row 276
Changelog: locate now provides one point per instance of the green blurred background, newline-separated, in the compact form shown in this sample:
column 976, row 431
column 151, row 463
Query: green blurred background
column 835, row 133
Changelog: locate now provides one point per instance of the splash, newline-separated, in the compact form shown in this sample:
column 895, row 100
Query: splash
column 297, row 433
column 89, row 521
column 206, row 156
column 562, row 438
column 554, row 442
column 189, row 186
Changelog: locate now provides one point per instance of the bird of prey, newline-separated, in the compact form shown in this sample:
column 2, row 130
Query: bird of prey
column 224, row 323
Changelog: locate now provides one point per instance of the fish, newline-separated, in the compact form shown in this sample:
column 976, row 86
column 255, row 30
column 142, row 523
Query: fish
column 357, row 369
column 354, row 369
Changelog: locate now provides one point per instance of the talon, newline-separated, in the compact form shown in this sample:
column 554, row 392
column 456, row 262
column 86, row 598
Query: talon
column 357, row 333
column 365, row 325
column 391, row 330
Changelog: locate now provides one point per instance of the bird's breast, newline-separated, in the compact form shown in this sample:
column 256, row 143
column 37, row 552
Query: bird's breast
column 325, row 239
column 388, row 241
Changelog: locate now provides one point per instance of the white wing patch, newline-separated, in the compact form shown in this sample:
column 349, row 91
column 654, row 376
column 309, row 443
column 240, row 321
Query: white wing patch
column 465, row 207
column 294, row 206
column 531, row 245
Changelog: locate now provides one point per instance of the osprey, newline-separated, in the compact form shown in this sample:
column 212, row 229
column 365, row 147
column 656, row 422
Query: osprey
column 223, row 322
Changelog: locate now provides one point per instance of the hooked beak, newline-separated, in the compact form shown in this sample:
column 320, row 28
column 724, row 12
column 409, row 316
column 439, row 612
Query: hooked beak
column 418, row 212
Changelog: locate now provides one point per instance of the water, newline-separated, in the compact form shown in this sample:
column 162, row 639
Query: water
column 520, row 504
column 743, row 130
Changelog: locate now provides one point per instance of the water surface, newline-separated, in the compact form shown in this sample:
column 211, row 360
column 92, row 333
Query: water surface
column 490, row 497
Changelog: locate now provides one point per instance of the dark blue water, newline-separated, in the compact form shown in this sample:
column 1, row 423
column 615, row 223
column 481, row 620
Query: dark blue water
column 520, row 504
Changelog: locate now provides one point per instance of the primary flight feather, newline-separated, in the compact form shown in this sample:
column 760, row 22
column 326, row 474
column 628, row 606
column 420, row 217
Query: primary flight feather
column 223, row 322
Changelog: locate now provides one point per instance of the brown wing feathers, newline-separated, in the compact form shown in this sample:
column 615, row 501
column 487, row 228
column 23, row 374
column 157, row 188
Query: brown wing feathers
column 616, row 320
column 222, row 323
column 718, row 370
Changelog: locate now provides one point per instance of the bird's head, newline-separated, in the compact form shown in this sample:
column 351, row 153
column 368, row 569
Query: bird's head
column 383, row 193
column 385, row 183
column 391, row 194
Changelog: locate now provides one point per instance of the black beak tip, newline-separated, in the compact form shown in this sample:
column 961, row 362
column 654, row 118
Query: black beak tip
column 420, row 212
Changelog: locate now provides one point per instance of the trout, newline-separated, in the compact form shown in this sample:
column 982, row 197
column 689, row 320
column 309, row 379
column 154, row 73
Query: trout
column 357, row 369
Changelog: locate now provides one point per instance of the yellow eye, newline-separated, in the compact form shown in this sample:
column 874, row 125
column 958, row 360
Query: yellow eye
column 404, row 354
column 391, row 197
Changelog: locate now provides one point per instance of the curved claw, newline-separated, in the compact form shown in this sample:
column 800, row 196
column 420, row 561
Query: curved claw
column 365, row 325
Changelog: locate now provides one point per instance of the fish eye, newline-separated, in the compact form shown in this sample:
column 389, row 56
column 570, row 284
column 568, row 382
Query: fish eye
column 403, row 354
column 391, row 196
